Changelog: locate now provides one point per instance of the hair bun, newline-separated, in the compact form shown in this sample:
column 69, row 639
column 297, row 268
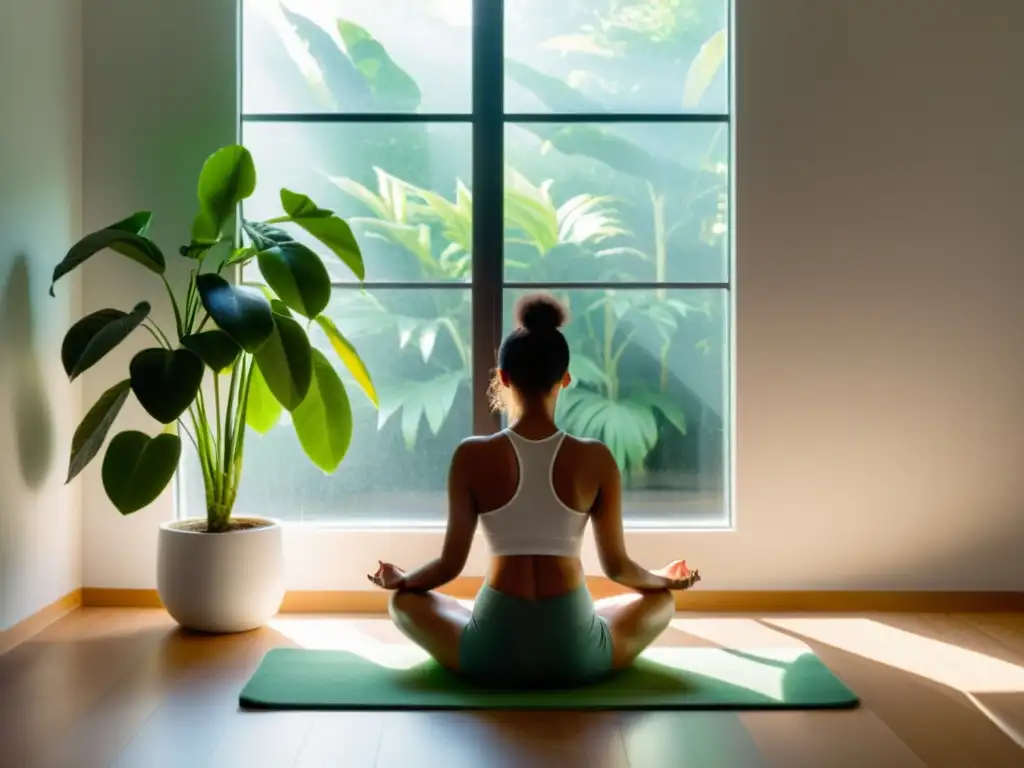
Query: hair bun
column 540, row 312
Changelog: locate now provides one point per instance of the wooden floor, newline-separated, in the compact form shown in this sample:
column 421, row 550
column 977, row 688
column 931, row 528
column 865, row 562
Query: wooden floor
column 124, row 687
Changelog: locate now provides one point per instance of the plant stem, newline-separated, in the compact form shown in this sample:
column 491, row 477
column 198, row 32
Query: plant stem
column 660, row 269
column 229, row 420
column 609, row 336
column 202, row 449
column 663, row 358
column 617, row 355
column 190, row 437
column 216, row 417
column 660, row 246
column 211, row 446
column 191, row 302
column 157, row 334
column 243, row 404
column 460, row 346
column 174, row 305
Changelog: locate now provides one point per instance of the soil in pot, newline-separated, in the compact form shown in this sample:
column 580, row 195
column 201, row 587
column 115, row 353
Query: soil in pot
column 235, row 524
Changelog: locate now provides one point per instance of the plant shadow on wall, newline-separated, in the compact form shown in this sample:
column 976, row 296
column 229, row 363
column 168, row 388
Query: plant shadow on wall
column 583, row 202
column 32, row 414
column 236, row 358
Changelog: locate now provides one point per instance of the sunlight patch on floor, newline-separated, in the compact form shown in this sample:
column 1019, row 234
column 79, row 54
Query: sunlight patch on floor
column 759, row 673
column 339, row 635
column 743, row 634
column 958, row 668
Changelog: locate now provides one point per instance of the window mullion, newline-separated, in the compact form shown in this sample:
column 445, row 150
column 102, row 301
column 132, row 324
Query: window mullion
column 488, row 193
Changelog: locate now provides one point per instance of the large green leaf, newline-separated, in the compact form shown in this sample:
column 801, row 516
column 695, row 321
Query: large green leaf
column 138, row 223
column 555, row 94
column 529, row 209
column 604, row 145
column 92, row 337
column 628, row 428
column 215, row 348
column 415, row 238
column 705, row 66
column 228, row 177
column 136, row 247
column 297, row 276
column 264, row 235
column 432, row 399
column 666, row 405
column 343, row 347
column 286, row 362
column 241, row 312
column 280, row 308
column 137, row 468
column 91, row 433
column 585, row 370
column 205, row 232
column 166, row 381
column 276, row 305
column 348, row 87
column 589, row 219
column 374, row 202
column 323, row 422
column 456, row 218
column 240, row 256
column 262, row 409
column 392, row 87
column 327, row 227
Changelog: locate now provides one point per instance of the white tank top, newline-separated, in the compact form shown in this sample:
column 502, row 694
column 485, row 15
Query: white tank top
column 535, row 521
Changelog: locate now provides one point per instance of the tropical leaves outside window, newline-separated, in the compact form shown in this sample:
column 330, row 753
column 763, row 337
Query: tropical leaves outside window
column 627, row 413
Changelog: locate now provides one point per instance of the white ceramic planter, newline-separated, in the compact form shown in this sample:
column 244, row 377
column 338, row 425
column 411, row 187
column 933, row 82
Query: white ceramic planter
column 221, row 582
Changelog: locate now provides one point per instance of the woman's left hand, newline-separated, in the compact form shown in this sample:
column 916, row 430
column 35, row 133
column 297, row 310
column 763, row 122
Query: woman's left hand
column 388, row 576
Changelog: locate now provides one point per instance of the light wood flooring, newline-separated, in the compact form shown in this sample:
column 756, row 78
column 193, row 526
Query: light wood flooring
column 125, row 688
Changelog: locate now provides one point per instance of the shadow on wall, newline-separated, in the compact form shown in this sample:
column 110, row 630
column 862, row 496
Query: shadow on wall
column 32, row 415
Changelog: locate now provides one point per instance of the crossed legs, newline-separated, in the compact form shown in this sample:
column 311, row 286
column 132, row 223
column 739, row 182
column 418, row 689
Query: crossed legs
column 635, row 620
column 435, row 622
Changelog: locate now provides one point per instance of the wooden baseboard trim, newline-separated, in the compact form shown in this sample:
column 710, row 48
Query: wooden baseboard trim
column 40, row 620
column 103, row 597
column 698, row 600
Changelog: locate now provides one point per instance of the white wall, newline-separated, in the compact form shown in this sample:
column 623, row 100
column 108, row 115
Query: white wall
column 879, row 361
column 40, row 182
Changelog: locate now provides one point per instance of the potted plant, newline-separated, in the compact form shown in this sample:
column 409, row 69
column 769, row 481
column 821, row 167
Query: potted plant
column 237, row 357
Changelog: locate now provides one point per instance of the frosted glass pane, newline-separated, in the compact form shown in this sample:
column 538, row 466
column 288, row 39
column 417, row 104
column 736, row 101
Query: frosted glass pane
column 616, row 56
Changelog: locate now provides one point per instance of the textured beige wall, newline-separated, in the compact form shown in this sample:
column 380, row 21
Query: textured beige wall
column 40, row 184
column 879, row 327
column 880, row 321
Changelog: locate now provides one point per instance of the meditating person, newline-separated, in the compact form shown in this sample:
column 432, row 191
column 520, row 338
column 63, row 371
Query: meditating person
column 532, row 488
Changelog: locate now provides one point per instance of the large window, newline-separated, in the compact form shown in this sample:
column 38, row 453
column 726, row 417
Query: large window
column 482, row 149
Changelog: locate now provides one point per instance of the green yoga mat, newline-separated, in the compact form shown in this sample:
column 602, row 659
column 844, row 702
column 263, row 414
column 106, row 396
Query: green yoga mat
column 663, row 678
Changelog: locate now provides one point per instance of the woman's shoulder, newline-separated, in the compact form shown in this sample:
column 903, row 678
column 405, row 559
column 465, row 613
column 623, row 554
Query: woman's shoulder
column 586, row 443
column 592, row 449
column 478, row 445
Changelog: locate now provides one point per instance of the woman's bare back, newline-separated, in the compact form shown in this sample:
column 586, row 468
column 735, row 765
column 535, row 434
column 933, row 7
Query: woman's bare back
column 495, row 481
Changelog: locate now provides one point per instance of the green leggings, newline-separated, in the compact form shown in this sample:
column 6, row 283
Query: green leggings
column 559, row 642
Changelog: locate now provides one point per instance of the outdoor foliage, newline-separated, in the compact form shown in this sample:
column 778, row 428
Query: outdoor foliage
column 619, row 218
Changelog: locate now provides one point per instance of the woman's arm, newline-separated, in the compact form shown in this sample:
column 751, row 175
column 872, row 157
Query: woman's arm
column 611, row 544
column 458, row 538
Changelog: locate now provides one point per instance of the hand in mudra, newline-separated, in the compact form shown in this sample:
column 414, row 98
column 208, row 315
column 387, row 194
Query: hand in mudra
column 388, row 576
column 679, row 575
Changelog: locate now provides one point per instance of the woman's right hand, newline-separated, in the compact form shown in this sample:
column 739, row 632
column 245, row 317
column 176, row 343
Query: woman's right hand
column 678, row 575
column 388, row 576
